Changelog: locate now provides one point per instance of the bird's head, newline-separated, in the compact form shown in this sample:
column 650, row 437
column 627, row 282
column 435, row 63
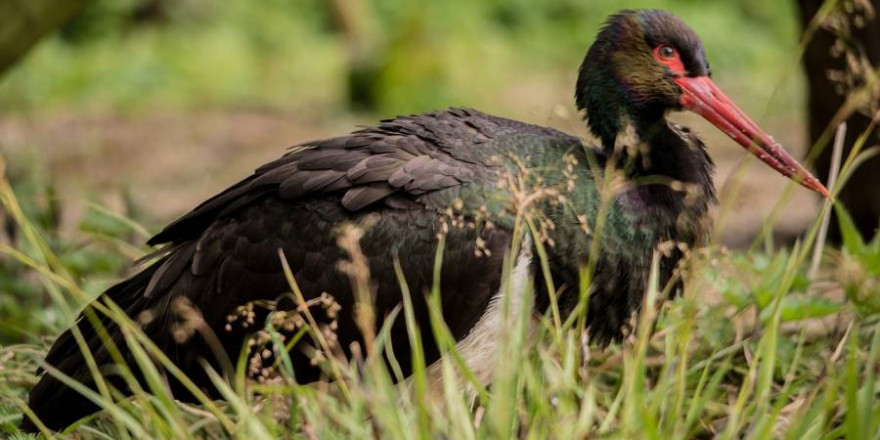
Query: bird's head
column 645, row 63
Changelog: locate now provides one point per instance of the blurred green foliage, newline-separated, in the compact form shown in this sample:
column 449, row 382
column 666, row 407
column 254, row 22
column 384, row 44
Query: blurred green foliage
column 95, row 257
column 755, row 279
column 858, row 265
column 291, row 54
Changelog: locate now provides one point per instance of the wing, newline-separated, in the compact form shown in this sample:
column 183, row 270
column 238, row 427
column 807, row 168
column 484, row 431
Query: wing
column 405, row 171
column 224, row 253
column 401, row 175
column 402, row 178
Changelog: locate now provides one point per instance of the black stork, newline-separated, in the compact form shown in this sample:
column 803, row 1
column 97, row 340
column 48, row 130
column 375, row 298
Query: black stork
column 416, row 176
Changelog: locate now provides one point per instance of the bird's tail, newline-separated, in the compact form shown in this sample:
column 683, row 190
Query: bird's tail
column 58, row 405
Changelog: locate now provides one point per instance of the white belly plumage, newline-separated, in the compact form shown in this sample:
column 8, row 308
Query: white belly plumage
column 479, row 349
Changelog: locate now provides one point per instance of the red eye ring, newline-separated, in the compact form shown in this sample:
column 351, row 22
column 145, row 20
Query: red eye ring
column 669, row 57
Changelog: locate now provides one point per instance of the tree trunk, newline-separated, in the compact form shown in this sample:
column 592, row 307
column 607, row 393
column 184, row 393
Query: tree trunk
column 354, row 20
column 23, row 22
column 841, row 56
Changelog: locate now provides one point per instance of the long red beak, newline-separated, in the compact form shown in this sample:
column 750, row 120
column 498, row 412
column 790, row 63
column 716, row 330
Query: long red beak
column 701, row 96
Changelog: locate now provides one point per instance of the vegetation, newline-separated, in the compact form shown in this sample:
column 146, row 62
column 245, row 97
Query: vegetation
column 763, row 344
column 141, row 54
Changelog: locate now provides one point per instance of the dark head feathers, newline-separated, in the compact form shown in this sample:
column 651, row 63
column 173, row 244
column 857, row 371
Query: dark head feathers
column 621, row 80
column 661, row 27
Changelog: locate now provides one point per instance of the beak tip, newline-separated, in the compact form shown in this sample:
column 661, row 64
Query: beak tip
column 824, row 192
column 702, row 96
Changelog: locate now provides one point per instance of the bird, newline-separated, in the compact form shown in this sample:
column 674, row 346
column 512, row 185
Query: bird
column 459, row 176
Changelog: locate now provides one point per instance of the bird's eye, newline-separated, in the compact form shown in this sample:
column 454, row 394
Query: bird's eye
column 668, row 56
column 666, row 52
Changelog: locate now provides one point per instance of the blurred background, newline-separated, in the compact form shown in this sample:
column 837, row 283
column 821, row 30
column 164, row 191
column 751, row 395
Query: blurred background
column 119, row 110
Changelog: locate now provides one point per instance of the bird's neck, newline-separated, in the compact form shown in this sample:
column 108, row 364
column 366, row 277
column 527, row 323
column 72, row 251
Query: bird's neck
column 664, row 162
column 654, row 147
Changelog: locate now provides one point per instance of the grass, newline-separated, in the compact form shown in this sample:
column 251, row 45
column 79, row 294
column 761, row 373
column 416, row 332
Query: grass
column 758, row 347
